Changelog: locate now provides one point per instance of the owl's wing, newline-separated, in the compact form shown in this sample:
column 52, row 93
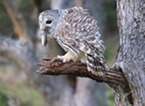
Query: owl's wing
column 78, row 31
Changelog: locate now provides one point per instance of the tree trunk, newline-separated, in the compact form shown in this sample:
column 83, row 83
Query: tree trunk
column 131, row 56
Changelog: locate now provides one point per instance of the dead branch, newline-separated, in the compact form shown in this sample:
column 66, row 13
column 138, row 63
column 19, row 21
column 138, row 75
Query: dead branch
column 57, row 67
column 114, row 77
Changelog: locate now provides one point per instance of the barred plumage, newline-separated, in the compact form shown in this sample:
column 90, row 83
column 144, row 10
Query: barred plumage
column 77, row 33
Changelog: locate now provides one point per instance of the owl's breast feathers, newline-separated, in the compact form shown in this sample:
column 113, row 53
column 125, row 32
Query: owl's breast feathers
column 77, row 25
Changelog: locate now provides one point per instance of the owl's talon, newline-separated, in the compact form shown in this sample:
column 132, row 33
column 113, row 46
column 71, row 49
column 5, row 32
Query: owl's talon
column 60, row 57
column 64, row 59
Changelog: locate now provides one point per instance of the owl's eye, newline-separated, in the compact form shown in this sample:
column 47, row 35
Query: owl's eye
column 48, row 21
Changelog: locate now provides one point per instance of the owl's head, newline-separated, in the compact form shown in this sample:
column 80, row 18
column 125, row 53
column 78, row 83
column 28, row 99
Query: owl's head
column 48, row 21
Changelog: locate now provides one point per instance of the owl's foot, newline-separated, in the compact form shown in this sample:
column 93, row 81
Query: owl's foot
column 67, row 57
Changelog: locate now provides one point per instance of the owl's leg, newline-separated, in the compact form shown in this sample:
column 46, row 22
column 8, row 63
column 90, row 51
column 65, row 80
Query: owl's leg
column 67, row 57
column 82, row 57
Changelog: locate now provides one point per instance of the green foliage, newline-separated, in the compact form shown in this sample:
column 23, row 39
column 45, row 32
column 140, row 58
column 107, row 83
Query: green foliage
column 18, row 88
column 27, row 96
column 110, row 10
column 3, row 99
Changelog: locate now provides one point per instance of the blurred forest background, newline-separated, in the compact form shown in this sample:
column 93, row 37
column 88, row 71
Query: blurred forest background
column 21, row 50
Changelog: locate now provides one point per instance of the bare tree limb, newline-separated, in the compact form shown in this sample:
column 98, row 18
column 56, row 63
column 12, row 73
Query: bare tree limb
column 114, row 77
column 57, row 67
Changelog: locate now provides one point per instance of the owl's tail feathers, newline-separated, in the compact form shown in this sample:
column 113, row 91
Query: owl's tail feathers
column 96, row 65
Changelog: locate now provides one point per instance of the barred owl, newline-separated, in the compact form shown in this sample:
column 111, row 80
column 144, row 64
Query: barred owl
column 76, row 31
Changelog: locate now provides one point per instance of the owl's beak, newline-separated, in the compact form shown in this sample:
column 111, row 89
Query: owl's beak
column 44, row 39
column 43, row 33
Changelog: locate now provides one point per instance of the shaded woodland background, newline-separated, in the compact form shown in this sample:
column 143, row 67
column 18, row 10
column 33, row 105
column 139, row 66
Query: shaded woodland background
column 21, row 50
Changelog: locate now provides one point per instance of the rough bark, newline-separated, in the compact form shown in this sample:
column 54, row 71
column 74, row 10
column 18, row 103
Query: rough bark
column 131, row 56
column 57, row 67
